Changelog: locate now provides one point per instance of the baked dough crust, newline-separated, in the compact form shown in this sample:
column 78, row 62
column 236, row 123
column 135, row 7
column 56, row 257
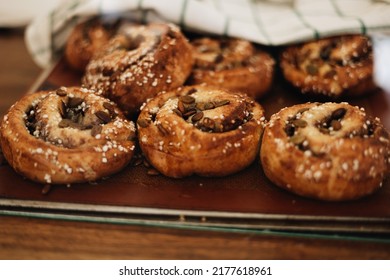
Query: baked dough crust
column 332, row 67
column 329, row 151
column 232, row 64
column 139, row 62
column 200, row 130
column 85, row 40
column 66, row 136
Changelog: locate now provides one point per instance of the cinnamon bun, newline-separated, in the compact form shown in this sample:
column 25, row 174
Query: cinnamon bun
column 329, row 151
column 232, row 64
column 86, row 39
column 200, row 130
column 332, row 67
column 65, row 136
column 139, row 62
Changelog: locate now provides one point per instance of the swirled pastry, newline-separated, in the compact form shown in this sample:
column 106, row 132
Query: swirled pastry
column 66, row 136
column 200, row 130
column 86, row 39
column 330, row 151
column 232, row 64
column 139, row 62
column 332, row 67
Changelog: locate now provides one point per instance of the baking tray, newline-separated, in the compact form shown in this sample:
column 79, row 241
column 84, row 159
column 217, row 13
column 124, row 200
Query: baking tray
column 246, row 200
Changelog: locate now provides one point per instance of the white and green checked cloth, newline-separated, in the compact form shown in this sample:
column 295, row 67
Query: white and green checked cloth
column 267, row 22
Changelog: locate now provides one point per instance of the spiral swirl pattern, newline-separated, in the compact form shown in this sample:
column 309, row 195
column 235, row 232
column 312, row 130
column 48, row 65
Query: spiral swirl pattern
column 200, row 130
column 330, row 151
column 66, row 136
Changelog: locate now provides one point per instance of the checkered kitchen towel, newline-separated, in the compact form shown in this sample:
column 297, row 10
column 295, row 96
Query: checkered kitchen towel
column 267, row 22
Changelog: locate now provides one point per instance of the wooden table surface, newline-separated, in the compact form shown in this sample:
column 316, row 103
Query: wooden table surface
column 34, row 238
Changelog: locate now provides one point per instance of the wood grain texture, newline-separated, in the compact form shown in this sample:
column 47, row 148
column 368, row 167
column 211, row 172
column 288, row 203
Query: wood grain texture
column 28, row 238
column 31, row 238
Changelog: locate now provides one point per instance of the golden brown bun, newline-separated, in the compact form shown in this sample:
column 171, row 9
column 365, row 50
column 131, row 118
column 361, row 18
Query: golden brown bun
column 333, row 67
column 139, row 62
column 232, row 64
column 330, row 151
column 86, row 39
column 66, row 136
column 200, row 130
